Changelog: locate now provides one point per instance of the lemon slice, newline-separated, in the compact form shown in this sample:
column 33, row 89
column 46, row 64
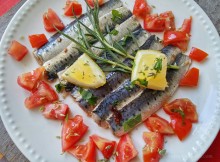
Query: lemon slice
column 85, row 73
column 150, row 69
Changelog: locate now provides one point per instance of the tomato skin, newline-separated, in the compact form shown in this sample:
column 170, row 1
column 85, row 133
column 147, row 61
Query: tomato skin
column 29, row 80
column 70, row 5
column 154, row 142
column 91, row 2
column 174, row 36
column 183, row 104
column 169, row 20
column 197, row 54
column 72, row 131
column 17, row 50
column 153, row 23
column 182, row 127
column 37, row 40
column 84, row 153
column 57, row 111
column 157, row 124
column 141, row 9
column 186, row 26
column 51, row 19
column 183, row 45
column 125, row 150
column 191, row 78
column 107, row 147
column 43, row 94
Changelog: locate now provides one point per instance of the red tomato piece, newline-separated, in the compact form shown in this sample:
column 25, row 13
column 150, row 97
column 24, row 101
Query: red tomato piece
column 157, row 124
column 125, row 150
column 73, row 130
column 154, row 23
column 55, row 111
column 29, row 80
column 186, row 26
column 51, row 19
column 84, row 153
column 197, row 54
column 184, row 105
column 106, row 146
column 37, row 40
column 191, row 78
column 174, row 36
column 181, row 126
column 141, row 9
column 43, row 94
column 154, row 143
column 72, row 7
column 183, row 45
column 91, row 2
column 169, row 20
column 17, row 50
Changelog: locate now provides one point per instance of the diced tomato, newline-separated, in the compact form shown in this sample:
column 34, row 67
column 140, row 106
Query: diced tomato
column 181, row 126
column 183, row 45
column 106, row 146
column 29, row 80
column 17, row 50
column 91, row 2
column 43, row 94
column 84, row 153
column 157, row 124
column 37, row 40
column 174, row 36
column 125, row 150
column 186, row 26
column 154, row 23
column 73, row 130
column 184, row 105
column 51, row 19
column 169, row 20
column 197, row 54
column 141, row 9
column 72, row 7
column 191, row 78
column 55, row 111
column 154, row 143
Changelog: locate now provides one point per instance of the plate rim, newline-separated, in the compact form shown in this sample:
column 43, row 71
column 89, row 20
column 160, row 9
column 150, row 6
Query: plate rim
column 26, row 149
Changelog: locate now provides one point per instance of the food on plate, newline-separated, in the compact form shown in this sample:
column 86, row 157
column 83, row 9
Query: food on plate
column 40, row 96
column 106, row 146
column 84, row 153
column 29, row 81
column 182, row 106
column 84, row 72
column 169, row 20
column 72, row 8
column 91, row 2
column 57, row 111
column 153, row 150
column 191, row 78
column 17, row 50
column 150, row 70
column 141, row 9
column 72, row 131
column 154, row 23
column 181, row 126
column 157, row 124
column 51, row 19
column 125, row 150
column 37, row 40
column 197, row 54
column 186, row 26
column 57, row 43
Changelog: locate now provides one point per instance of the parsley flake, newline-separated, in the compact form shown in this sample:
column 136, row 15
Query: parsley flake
column 162, row 152
column 116, row 15
column 158, row 65
column 59, row 87
column 114, row 32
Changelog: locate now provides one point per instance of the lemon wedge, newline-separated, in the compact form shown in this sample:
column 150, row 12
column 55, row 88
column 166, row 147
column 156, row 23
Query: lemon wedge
column 150, row 70
column 84, row 72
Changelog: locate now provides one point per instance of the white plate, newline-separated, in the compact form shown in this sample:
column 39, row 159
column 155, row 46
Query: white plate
column 36, row 137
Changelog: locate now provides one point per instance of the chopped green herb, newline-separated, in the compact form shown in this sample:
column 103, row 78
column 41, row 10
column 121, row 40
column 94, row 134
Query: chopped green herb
column 103, row 160
column 130, row 123
column 67, row 117
column 116, row 15
column 175, row 67
column 114, row 32
column 141, row 72
column 158, row 65
column 182, row 114
column 88, row 96
column 143, row 82
column 108, row 147
column 59, row 87
column 42, row 108
column 115, row 103
column 125, row 40
column 58, row 137
column 162, row 152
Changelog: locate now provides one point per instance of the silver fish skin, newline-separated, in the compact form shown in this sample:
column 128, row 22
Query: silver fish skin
column 147, row 102
column 68, row 56
column 57, row 43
